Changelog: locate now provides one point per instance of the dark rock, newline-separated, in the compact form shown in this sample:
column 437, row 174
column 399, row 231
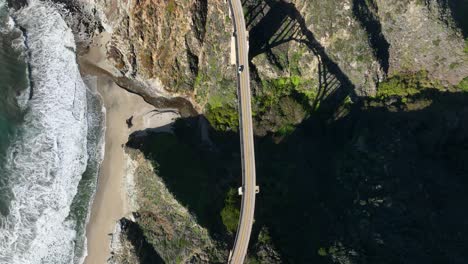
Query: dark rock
column 17, row 4
column 129, row 122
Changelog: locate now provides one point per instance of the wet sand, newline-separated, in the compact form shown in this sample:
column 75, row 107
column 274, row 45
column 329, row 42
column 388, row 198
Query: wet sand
column 109, row 204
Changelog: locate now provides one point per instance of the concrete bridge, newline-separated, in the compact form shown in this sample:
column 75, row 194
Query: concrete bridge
column 249, row 188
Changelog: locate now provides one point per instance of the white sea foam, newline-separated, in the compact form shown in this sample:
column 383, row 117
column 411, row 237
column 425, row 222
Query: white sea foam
column 49, row 155
column 2, row 5
column 96, row 150
column 8, row 24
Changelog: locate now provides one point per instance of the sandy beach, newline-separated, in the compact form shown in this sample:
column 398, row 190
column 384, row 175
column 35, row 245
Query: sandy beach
column 110, row 204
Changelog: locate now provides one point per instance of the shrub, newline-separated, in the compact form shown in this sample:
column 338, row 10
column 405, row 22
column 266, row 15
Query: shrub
column 264, row 236
column 223, row 117
column 406, row 85
column 322, row 252
column 286, row 130
column 171, row 6
column 466, row 46
column 230, row 213
column 274, row 90
column 463, row 85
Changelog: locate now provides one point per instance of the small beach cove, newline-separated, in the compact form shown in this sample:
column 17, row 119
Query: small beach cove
column 125, row 113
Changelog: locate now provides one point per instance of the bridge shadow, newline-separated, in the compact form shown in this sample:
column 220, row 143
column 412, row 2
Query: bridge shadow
column 363, row 11
column 269, row 25
column 378, row 174
column 272, row 23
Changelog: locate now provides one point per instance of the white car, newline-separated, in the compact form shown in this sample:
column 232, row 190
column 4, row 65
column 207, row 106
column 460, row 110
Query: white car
column 241, row 68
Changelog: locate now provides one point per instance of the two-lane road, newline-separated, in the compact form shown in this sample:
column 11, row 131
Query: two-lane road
column 246, row 136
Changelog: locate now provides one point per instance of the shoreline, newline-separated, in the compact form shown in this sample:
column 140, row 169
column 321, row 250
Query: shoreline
column 110, row 201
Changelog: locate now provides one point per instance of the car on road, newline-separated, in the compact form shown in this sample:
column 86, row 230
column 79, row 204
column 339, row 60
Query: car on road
column 241, row 68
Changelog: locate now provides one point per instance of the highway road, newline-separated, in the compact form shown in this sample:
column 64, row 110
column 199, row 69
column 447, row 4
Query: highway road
column 244, row 229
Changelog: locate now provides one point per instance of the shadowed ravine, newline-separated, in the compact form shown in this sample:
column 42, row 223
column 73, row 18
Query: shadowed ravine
column 384, row 183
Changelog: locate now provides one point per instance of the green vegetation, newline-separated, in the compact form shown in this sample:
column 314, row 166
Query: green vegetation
column 201, row 94
column 453, row 65
column 252, row 260
column 295, row 81
column 286, row 100
column 222, row 117
column 405, row 85
column 317, row 162
column 274, row 90
column 199, row 79
column 294, row 66
column 322, row 252
column 282, row 103
column 264, row 236
column 221, row 105
column 396, row 87
column 171, row 6
column 230, row 213
column 286, row 130
column 466, row 46
column 463, row 85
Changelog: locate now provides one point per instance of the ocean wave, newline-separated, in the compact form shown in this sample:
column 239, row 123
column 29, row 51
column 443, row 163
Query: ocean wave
column 86, row 190
column 49, row 155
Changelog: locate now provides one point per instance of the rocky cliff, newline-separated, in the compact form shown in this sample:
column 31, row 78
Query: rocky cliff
column 169, row 233
column 322, row 71
column 181, row 47
column 303, row 53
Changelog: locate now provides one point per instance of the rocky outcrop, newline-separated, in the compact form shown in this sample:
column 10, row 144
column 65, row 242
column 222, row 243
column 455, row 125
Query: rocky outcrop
column 306, row 57
column 304, row 54
column 328, row 31
column 422, row 36
column 182, row 45
column 265, row 252
column 160, row 227
column 129, row 245
column 330, row 48
column 84, row 19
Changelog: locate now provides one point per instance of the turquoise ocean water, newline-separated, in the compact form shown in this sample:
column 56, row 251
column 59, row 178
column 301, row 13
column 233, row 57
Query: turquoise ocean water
column 13, row 81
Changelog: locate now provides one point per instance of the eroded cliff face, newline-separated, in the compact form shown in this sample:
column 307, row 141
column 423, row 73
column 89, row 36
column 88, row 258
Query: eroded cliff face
column 329, row 31
column 303, row 53
column 307, row 58
column 367, row 39
column 160, row 229
column 182, row 45
column 422, row 36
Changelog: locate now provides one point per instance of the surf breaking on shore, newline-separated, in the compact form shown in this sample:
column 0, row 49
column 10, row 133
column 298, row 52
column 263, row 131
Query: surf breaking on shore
column 49, row 155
